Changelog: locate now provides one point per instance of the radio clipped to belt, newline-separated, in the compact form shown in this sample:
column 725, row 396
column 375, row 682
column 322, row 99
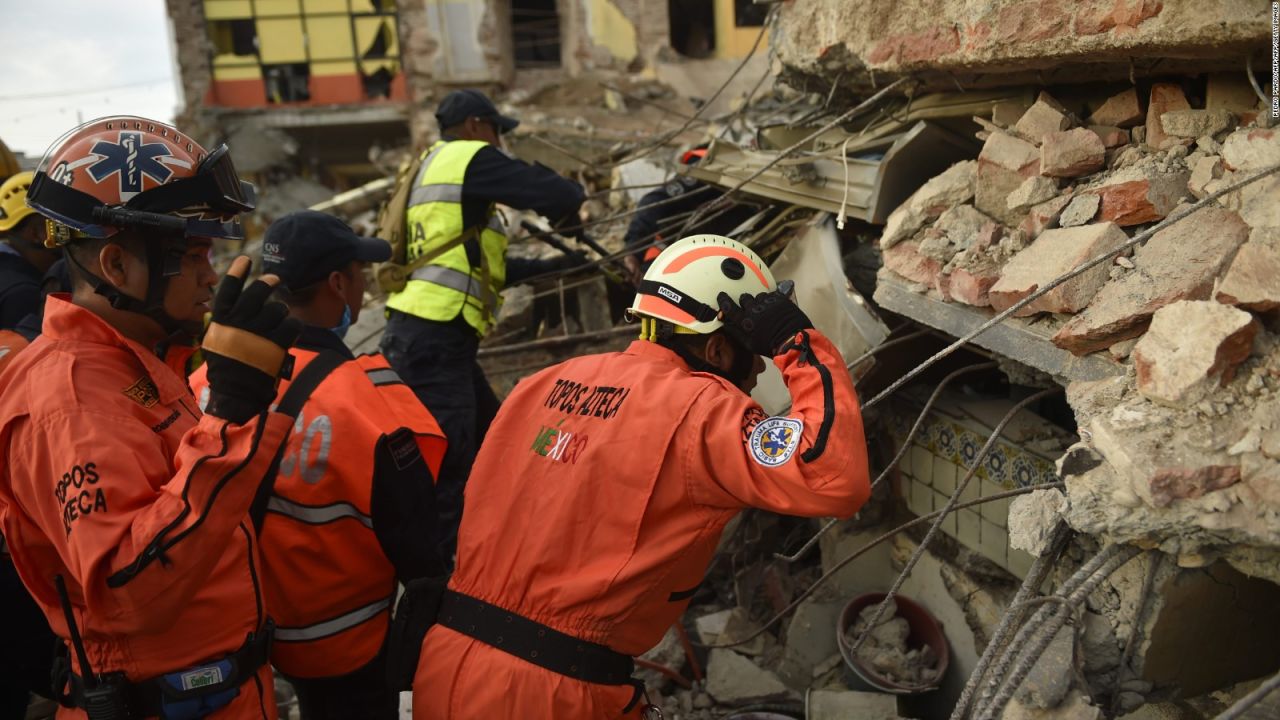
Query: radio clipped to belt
column 188, row 694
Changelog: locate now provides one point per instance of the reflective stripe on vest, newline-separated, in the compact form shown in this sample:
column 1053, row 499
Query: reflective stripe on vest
column 333, row 626
column 317, row 515
column 434, row 220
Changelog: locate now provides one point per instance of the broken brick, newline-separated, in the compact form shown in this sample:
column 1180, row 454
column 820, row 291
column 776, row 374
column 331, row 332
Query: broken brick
column 1169, row 484
column 1253, row 280
column 1032, row 191
column 1004, row 163
column 1233, row 93
column 953, row 187
column 1120, row 110
column 1180, row 262
column 1191, row 347
column 1165, row 97
column 1044, row 117
column 1043, row 216
column 1140, row 194
column 1206, row 170
column 1252, row 149
column 1196, row 123
column 1071, row 153
column 1110, row 135
column 1080, row 211
column 1052, row 254
column 972, row 284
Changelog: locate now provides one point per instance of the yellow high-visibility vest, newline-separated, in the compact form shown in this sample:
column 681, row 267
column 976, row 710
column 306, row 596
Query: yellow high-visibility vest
column 449, row 284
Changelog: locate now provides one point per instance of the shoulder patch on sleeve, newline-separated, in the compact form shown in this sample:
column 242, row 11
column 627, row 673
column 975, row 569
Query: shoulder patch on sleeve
column 774, row 440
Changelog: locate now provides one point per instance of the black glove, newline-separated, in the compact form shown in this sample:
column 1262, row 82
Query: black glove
column 572, row 259
column 246, row 346
column 764, row 322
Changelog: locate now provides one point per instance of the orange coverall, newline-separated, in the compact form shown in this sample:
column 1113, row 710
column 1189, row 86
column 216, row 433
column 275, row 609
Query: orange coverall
column 328, row 580
column 596, row 503
column 111, row 477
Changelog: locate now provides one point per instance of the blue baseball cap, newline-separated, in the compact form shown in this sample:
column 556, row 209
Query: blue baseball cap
column 303, row 247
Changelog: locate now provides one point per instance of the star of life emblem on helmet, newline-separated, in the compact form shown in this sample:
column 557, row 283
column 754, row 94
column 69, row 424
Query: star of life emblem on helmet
column 130, row 159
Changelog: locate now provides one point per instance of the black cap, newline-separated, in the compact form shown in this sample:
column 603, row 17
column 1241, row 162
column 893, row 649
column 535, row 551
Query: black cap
column 304, row 247
column 459, row 105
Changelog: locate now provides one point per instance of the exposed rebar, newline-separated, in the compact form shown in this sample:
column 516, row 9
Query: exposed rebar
column 1013, row 616
column 937, row 523
column 906, row 444
column 1244, row 704
column 1040, row 636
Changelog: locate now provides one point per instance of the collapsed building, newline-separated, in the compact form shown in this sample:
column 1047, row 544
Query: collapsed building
column 1091, row 479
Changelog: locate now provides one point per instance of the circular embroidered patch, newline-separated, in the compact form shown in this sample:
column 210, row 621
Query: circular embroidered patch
column 775, row 440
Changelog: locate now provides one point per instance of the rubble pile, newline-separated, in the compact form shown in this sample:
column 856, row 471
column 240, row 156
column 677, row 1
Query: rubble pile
column 1176, row 449
column 886, row 653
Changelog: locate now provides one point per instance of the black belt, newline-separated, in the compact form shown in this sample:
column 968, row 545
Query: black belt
column 536, row 643
column 147, row 698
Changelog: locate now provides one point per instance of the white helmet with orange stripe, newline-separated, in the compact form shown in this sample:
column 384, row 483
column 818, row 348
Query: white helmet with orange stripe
column 684, row 281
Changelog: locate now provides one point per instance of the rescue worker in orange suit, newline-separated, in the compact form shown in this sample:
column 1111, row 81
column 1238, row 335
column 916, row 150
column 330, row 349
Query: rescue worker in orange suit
column 353, row 505
column 126, row 509
column 600, row 493
column 435, row 323
column 29, row 643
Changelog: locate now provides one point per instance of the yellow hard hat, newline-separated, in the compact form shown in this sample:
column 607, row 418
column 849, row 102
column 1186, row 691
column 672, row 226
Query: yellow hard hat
column 682, row 284
column 13, row 200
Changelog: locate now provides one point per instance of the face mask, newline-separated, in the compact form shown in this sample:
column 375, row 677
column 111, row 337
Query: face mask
column 344, row 324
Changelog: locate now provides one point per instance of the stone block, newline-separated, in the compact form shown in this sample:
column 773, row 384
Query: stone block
column 1044, row 117
column 1071, row 153
column 1032, row 518
column 1191, row 347
column 1165, row 97
column 1206, row 170
column 1233, row 93
column 972, row 284
column 1180, row 262
column 963, row 225
column 1121, row 110
column 906, row 260
column 845, row 704
column 1044, row 216
column 1252, row 149
column 734, row 680
column 1140, row 194
column 1004, row 163
column 1110, row 135
column 1253, row 280
column 1032, row 191
column 1080, row 210
column 1054, row 253
column 1050, row 678
column 951, row 188
column 1196, row 123
column 811, row 634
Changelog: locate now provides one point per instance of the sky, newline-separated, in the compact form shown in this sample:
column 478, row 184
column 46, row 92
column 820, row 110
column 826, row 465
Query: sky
column 64, row 59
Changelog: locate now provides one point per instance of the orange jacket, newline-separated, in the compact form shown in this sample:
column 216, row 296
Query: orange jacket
column 111, row 477
column 597, row 501
column 11, row 343
column 345, row 520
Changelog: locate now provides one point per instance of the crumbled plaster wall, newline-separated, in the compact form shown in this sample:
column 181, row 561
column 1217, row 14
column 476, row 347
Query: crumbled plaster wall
column 193, row 51
column 613, row 34
column 1011, row 41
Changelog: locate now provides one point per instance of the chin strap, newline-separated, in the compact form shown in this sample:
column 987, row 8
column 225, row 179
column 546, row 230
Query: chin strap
column 662, row 333
column 161, row 265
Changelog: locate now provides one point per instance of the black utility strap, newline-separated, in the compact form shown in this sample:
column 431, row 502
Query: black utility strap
column 539, row 644
column 698, row 309
column 300, row 390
